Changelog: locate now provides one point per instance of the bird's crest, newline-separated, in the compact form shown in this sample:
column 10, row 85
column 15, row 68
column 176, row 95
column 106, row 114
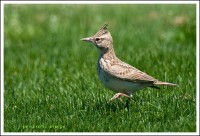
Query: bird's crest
column 104, row 26
column 102, row 31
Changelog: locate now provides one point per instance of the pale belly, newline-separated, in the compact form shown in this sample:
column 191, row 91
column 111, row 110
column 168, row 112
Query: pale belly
column 119, row 86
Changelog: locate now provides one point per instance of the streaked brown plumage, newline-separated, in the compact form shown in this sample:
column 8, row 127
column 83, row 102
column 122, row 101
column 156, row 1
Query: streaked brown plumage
column 116, row 74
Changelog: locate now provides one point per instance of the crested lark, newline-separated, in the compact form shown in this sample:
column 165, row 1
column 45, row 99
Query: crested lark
column 115, row 74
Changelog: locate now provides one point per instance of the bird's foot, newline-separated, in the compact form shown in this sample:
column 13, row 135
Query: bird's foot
column 118, row 95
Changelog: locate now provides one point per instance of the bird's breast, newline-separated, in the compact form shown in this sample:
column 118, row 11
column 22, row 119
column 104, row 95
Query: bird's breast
column 104, row 77
column 114, row 83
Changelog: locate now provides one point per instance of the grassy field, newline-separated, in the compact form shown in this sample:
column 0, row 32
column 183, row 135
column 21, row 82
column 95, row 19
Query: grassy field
column 50, row 80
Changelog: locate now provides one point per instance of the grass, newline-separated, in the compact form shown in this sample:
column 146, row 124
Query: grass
column 50, row 80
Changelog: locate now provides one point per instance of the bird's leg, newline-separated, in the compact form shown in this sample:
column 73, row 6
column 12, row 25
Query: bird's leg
column 117, row 95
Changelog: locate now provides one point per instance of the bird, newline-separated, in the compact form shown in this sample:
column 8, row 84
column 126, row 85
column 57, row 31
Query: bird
column 115, row 74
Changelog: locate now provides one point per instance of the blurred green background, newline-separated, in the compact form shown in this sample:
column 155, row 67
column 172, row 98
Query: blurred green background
column 50, row 80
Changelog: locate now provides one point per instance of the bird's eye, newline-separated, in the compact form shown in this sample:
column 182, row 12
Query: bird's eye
column 97, row 39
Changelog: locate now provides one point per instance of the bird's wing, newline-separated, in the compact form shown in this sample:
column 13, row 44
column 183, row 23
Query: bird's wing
column 125, row 71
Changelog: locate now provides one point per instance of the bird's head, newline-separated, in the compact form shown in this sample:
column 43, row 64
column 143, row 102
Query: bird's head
column 102, row 39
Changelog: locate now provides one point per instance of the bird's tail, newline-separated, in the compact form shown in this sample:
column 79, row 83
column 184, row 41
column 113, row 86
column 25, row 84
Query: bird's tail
column 164, row 83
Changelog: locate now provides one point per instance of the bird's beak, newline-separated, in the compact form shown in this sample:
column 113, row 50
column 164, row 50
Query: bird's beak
column 88, row 39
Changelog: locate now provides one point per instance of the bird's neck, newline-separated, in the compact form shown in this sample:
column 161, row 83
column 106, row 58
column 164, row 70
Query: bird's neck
column 108, row 54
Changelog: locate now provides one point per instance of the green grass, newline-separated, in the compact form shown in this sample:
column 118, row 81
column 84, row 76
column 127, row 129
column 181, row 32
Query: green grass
column 50, row 80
